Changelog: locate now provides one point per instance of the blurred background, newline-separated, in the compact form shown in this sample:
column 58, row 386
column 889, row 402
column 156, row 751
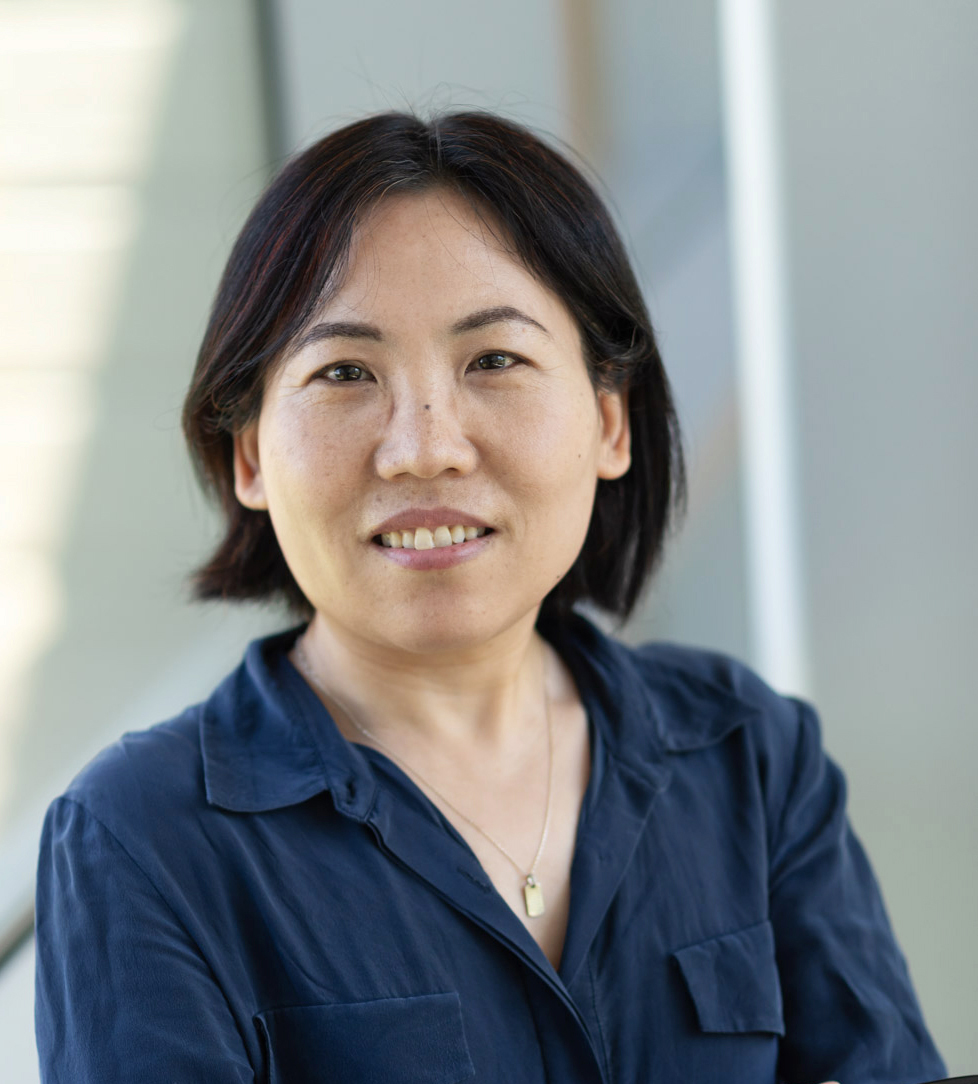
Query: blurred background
column 796, row 182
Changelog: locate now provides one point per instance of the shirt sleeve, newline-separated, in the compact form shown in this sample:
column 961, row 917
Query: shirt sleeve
column 122, row 992
column 850, row 1010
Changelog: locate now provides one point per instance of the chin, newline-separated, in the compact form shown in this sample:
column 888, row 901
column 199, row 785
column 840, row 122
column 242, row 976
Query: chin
column 451, row 627
column 445, row 637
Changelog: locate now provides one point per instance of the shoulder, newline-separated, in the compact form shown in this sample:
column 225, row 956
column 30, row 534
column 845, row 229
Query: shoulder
column 693, row 696
column 250, row 747
column 706, row 701
column 700, row 676
column 702, row 696
column 702, row 668
column 144, row 778
column 673, row 708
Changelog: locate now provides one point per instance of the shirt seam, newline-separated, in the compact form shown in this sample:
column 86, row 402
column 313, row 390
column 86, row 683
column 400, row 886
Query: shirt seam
column 605, row 1053
column 798, row 756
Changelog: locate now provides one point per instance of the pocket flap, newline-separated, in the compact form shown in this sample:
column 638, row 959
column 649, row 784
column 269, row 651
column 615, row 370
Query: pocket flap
column 733, row 981
column 399, row 1040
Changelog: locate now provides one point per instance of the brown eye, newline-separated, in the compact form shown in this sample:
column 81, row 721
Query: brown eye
column 494, row 361
column 345, row 372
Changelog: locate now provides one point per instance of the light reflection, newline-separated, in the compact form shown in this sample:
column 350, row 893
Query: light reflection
column 81, row 88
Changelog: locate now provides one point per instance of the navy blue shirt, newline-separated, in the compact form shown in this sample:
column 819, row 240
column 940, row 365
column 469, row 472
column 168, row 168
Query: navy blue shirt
column 241, row 895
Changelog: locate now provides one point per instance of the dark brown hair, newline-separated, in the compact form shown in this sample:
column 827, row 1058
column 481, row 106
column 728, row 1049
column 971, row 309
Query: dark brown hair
column 292, row 251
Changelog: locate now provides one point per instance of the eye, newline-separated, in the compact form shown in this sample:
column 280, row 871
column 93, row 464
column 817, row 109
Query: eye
column 490, row 362
column 345, row 373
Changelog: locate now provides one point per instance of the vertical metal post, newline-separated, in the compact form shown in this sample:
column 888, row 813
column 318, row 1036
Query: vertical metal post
column 581, row 29
column 767, row 422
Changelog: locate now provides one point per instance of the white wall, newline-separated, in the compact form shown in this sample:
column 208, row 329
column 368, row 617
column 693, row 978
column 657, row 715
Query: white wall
column 17, row 1018
column 340, row 62
column 881, row 156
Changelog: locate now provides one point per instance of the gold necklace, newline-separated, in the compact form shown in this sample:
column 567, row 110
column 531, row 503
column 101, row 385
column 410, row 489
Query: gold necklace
column 532, row 890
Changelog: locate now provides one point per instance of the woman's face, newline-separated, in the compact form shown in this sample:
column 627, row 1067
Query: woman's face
column 441, row 386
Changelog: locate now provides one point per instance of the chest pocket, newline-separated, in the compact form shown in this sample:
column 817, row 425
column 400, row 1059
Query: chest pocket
column 733, row 981
column 401, row 1040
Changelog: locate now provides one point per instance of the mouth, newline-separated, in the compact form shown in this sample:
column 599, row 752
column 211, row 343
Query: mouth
column 426, row 538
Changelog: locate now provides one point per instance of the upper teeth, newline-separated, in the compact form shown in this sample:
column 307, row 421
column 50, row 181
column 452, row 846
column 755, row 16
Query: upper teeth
column 421, row 538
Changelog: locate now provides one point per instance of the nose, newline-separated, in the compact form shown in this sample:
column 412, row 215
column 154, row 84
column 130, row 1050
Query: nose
column 425, row 436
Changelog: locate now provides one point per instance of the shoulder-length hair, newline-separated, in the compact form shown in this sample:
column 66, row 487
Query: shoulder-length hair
column 291, row 253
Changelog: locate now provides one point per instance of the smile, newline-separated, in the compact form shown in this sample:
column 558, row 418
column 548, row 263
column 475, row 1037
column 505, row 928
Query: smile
column 434, row 553
column 422, row 538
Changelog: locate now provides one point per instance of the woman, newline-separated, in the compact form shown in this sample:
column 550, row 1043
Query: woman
column 447, row 829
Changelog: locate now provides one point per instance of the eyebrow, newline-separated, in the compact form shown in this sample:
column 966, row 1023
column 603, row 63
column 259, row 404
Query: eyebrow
column 501, row 314
column 349, row 329
column 339, row 329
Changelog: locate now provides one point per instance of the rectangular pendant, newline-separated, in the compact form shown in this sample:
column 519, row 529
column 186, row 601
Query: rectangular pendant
column 533, row 894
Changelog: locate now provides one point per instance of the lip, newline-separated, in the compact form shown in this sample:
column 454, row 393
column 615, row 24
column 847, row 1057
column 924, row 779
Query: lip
column 440, row 556
column 431, row 518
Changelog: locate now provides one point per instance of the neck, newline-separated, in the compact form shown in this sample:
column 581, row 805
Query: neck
column 479, row 698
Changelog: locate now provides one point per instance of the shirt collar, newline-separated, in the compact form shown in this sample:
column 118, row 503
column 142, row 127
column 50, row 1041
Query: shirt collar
column 656, row 699
column 267, row 742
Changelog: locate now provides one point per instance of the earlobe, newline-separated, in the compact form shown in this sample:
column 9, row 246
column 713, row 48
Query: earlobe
column 249, row 486
column 615, row 456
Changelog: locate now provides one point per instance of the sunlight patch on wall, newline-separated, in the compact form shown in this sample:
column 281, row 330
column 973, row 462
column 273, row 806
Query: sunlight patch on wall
column 81, row 88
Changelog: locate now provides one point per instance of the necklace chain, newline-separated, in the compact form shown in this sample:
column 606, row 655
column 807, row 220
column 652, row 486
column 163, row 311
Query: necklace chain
column 534, row 899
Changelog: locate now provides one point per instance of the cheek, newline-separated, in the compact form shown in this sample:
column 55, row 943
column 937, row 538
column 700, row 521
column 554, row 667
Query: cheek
column 555, row 440
column 551, row 467
column 307, row 467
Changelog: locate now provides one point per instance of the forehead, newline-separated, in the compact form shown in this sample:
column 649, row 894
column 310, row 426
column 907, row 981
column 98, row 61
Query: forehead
column 433, row 254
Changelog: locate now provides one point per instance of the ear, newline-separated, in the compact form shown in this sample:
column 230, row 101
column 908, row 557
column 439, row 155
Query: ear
column 249, row 487
column 615, row 453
